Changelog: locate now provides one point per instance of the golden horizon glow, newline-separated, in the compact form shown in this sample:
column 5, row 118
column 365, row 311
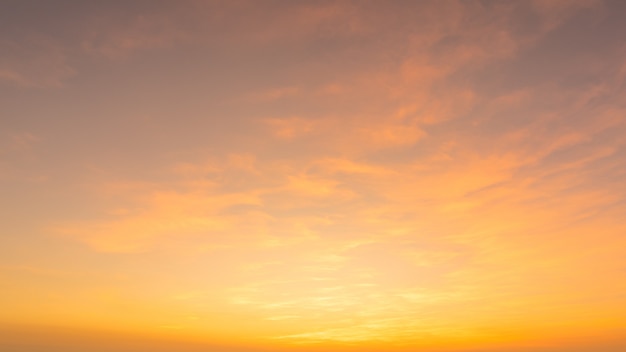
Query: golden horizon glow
column 313, row 176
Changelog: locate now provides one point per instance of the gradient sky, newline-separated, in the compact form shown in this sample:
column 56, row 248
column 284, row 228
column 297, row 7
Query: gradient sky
column 312, row 176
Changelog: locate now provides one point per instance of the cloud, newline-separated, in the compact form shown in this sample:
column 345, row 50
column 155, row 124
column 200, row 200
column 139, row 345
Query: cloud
column 19, row 153
column 34, row 62
column 21, row 142
column 140, row 33
column 431, row 193
column 289, row 128
column 554, row 13
column 162, row 216
column 274, row 94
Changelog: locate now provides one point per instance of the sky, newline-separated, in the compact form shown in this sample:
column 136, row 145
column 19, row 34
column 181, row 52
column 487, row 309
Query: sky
column 250, row 176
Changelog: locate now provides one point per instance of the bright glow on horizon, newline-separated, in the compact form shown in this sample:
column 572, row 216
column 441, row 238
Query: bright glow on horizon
column 313, row 176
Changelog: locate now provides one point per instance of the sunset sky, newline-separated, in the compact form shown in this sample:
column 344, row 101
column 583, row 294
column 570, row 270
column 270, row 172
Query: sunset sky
column 308, row 176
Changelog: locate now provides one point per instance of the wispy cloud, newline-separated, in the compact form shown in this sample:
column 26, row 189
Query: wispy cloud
column 34, row 62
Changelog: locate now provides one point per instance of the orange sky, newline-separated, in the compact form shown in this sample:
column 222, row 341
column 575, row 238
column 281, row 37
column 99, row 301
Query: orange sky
column 312, row 176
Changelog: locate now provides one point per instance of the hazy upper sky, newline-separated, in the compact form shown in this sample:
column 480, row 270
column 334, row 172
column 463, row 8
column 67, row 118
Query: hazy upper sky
column 312, row 175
